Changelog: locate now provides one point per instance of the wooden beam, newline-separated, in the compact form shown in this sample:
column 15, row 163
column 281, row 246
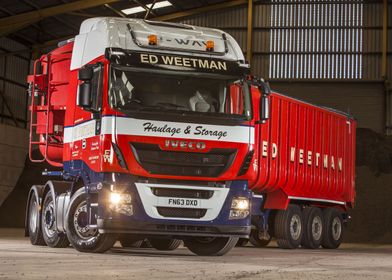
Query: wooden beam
column 200, row 10
column 117, row 12
column 384, row 60
column 249, row 32
column 13, row 23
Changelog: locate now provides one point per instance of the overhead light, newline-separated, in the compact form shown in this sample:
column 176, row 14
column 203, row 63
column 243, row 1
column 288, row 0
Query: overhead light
column 157, row 5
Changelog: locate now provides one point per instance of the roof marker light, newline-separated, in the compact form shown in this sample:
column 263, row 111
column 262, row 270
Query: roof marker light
column 152, row 40
column 210, row 46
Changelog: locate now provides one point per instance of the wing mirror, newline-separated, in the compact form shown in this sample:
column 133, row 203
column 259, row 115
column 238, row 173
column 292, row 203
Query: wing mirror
column 264, row 108
column 85, row 75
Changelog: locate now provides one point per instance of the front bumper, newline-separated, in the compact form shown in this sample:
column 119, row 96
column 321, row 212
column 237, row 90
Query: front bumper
column 147, row 219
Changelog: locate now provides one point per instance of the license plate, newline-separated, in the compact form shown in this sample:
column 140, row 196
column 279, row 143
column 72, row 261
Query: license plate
column 183, row 202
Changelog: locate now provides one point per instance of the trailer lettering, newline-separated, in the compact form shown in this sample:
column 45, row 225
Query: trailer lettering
column 264, row 149
column 332, row 162
column 325, row 161
column 292, row 154
column 303, row 156
column 340, row 164
column 317, row 159
column 309, row 157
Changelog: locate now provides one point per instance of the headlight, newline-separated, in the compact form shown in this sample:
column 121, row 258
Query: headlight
column 240, row 203
column 115, row 198
column 121, row 203
column 239, row 208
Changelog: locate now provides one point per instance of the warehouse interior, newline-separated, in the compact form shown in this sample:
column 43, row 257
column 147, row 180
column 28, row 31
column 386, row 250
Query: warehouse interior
column 336, row 54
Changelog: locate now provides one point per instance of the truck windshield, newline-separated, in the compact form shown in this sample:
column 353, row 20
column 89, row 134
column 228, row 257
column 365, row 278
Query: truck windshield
column 141, row 91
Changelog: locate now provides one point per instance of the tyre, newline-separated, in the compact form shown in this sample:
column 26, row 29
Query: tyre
column 242, row 242
column 289, row 227
column 164, row 244
column 131, row 241
column 53, row 238
column 211, row 246
column 33, row 223
column 259, row 238
column 82, row 237
column 313, row 227
column 333, row 225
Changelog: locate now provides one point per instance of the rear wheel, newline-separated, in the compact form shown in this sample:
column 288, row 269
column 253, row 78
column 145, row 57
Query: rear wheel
column 82, row 237
column 289, row 227
column 333, row 225
column 34, row 226
column 164, row 244
column 211, row 246
column 313, row 227
column 53, row 238
column 131, row 241
column 259, row 238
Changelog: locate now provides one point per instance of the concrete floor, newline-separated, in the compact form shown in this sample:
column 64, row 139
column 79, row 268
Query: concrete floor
column 20, row 260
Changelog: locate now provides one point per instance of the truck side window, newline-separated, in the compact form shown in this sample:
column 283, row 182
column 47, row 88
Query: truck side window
column 97, row 85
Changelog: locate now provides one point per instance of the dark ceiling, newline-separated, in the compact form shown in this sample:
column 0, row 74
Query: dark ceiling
column 67, row 24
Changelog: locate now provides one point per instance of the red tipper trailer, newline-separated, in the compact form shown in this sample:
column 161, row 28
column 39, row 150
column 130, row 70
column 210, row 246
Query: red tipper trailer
column 304, row 156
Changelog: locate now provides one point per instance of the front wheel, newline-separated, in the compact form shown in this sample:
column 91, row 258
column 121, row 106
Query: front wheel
column 53, row 238
column 164, row 244
column 82, row 237
column 259, row 238
column 211, row 246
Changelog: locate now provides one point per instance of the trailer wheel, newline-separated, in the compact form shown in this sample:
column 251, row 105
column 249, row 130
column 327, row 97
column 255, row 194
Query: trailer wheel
column 211, row 246
column 131, row 241
column 34, row 225
column 53, row 238
column 333, row 225
column 82, row 237
column 164, row 244
column 259, row 239
column 289, row 227
column 313, row 227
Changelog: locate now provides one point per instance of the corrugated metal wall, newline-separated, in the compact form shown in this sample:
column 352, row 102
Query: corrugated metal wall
column 333, row 49
column 300, row 35
column 13, row 73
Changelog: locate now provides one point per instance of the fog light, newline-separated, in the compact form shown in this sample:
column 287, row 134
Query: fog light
column 238, row 214
column 240, row 203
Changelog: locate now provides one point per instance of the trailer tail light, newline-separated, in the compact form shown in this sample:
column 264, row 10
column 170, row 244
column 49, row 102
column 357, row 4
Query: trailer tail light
column 152, row 40
column 210, row 46
column 246, row 163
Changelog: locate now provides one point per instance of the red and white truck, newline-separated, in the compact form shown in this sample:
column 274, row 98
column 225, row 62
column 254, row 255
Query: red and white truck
column 162, row 134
